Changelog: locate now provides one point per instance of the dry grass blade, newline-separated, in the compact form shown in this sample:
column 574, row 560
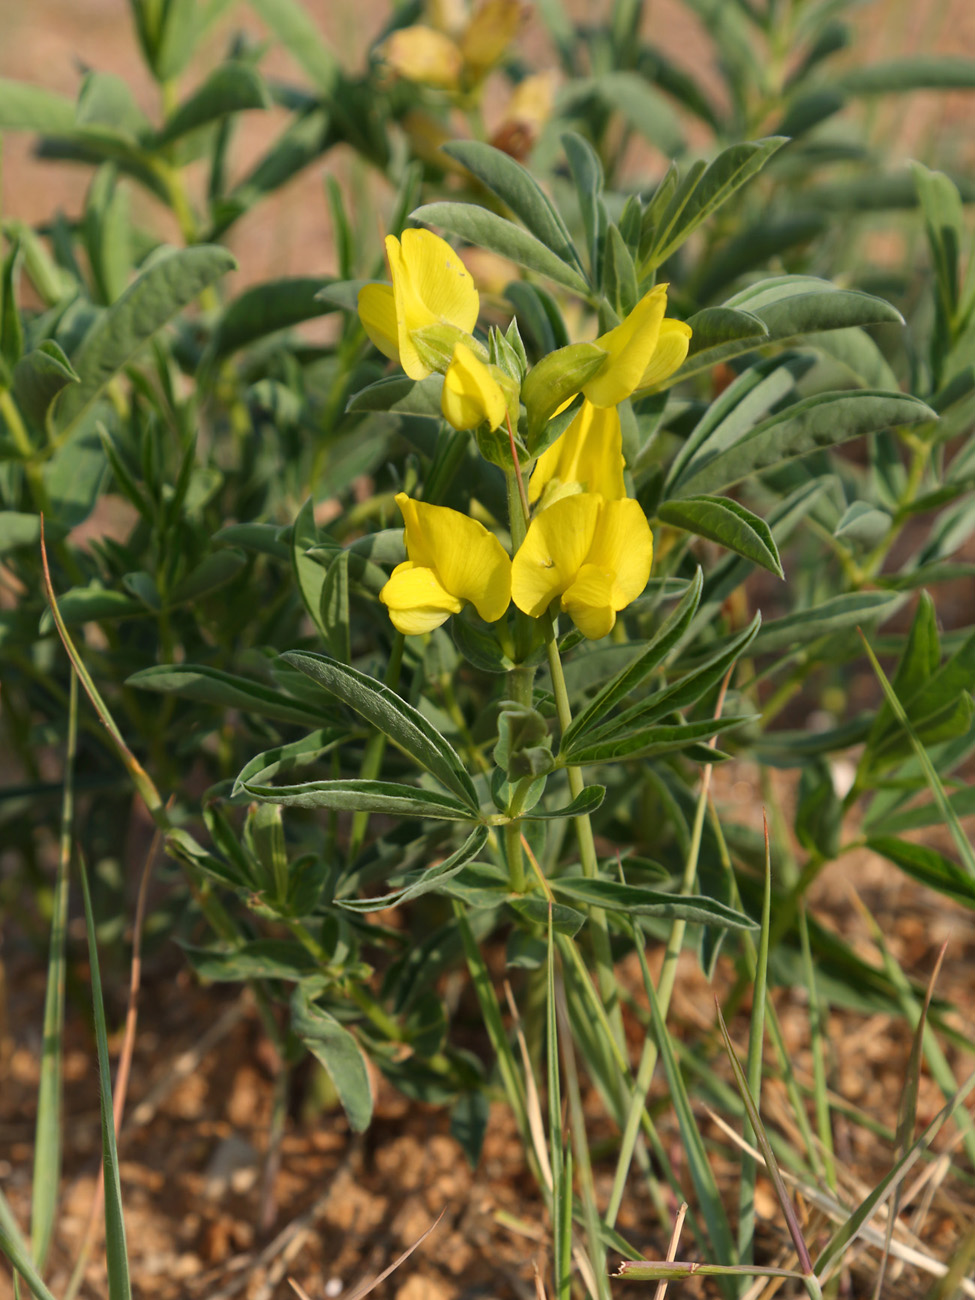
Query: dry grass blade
column 771, row 1164
column 661, row 1290
column 908, row 1113
column 533, row 1106
column 364, row 1288
column 540, row 1293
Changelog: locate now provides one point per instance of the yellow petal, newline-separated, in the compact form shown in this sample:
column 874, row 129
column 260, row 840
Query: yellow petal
column 424, row 55
column 623, row 545
column 377, row 311
column 589, row 602
column 629, row 346
column 468, row 561
column 588, row 457
column 416, row 600
column 669, row 354
column 471, row 394
column 431, row 286
column 553, row 551
column 489, row 33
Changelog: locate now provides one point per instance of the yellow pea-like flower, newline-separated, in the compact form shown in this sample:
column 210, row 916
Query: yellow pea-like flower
column 489, row 33
column 471, row 391
column 632, row 349
column 588, row 457
column 594, row 554
column 431, row 286
column 424, row 55
column 453, row 560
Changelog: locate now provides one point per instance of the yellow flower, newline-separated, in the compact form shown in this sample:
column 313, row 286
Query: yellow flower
column 489, row 33
column 669, row 354
column 588, row 457
column 632, row 347
column 424, row 55
column 453, row 560
column 595, row 554
column 472, row 392
column 431, row 287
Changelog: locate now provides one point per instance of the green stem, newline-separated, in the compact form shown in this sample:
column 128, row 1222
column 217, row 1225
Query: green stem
column 18, row 431
column 587, row 844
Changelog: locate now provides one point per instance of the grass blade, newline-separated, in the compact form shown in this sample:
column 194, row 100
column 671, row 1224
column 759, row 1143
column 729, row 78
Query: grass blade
column 15, row 1248
column 47, row 1140
column 962, row 841
column 115, row 1248
column 756, row 1039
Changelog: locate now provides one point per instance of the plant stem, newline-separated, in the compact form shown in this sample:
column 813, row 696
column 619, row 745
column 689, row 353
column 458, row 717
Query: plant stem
column 587, row 844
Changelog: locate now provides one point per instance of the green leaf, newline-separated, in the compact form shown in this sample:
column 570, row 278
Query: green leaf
column 913, row 72
column 537, row 911
column 835, row 615
column 336, row 1049
column 233, row 87
column 268, row 307
column 819, row 813
column 106, row 104
column 407, row 728
column 587, row 174
column 556, row 379
column 727, row 522
column 927, row 866
column 171, row 282
column 401, row 395
column 225, row 690
column 24, row 107
column 300, row 35
column 790, row 307
column 515, row 186
column 334, row 608
column 389, row 798
column 38, row 378
column 962, row 803
column 429, row 880
column 756, row 246
column 717, row 325
column 643, row 106
column 586, row 802
column 636, row 900
column 823, row 420
column 488, row 230
column 271, row 959
column 213, row 571
column 651, row 741
column 693, row 203
column 663, row 641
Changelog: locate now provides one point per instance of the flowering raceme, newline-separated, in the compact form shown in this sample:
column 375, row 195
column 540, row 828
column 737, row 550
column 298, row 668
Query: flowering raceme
column 431, row 287
column 594, row 554
column 453, row 560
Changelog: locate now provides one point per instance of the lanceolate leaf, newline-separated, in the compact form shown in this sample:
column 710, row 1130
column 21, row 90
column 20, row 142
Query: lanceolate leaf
column 516, row 187
column 824, row 420
column 927, row 866
column 388, row 797
column 650, row 741
column 336, row 1048
column 39, row 377
column 426, row 881
column 488, row 230
column 230, row 88
column 401, row 395
column 725, row 521
column 407, row 728
column 213, row 686
column 667, row 636
column 171, row 282
column 635, row 900
column 267, row 307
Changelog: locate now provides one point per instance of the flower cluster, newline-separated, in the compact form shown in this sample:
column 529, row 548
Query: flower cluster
column 587, row 545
